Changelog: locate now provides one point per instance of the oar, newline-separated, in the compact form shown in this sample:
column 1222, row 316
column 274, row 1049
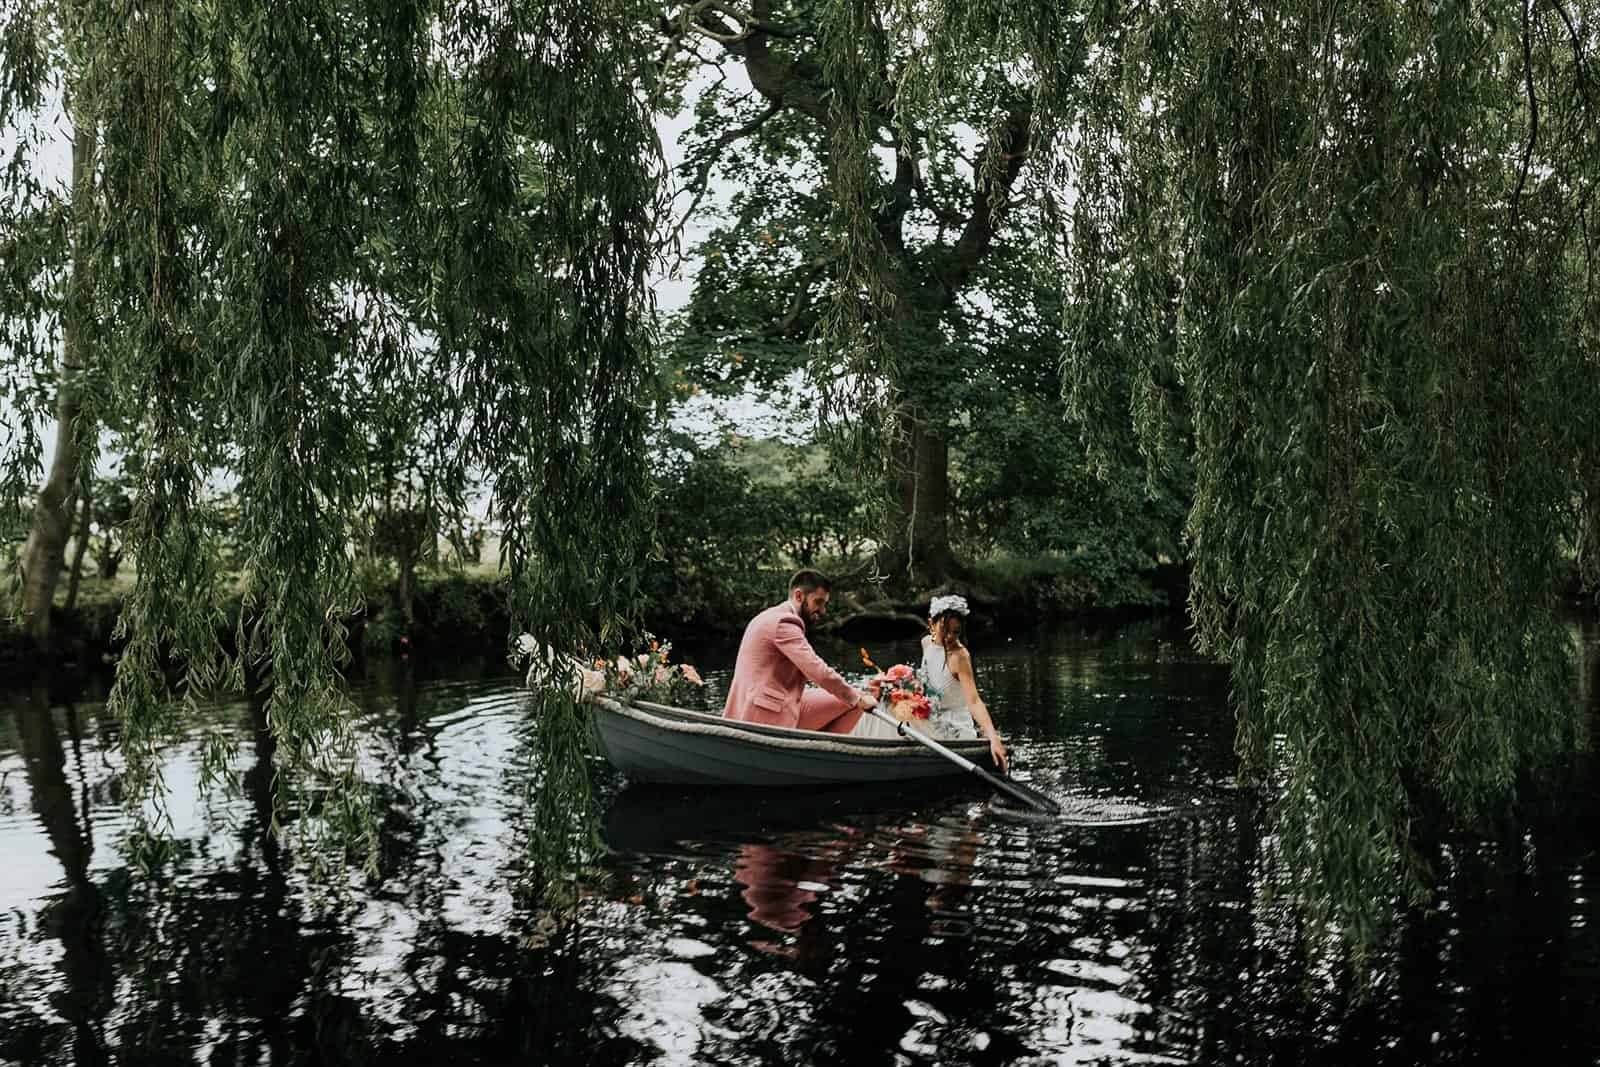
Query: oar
column 1031, row 797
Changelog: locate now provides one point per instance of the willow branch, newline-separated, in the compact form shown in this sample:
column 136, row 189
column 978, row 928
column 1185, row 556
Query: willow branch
column 748, row 24
column 946, row 215
column 989, row 192
column 706, row 158
column 789, row 83
column 1533, row 112
column 791, row 317
column 1578, row 60
column 890, row 220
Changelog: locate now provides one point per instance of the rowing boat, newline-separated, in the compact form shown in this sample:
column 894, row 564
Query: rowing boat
column 652, row 742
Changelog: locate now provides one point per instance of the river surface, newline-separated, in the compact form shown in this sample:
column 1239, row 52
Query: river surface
column 913, row 925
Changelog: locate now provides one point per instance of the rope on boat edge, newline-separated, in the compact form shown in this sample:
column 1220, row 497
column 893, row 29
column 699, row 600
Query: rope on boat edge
column 710, row 730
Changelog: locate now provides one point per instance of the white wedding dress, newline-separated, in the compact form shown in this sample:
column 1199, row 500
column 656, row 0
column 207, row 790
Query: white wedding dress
column 951, row 722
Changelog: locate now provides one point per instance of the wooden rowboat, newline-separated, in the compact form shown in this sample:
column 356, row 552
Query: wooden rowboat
column 658, row 743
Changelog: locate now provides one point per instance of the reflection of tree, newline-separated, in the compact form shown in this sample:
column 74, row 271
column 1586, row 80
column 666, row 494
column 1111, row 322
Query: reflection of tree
column 214, row 953
column 220, row 948
column 914, row 931
column 75, row 916
column 501, row 995
column 926, row 924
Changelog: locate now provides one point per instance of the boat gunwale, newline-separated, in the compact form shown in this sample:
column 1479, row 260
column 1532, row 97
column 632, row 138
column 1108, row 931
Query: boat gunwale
column 766, row 735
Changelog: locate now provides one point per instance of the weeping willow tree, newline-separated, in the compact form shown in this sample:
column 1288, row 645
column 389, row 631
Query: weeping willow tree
column 300, row 227
column 1378, row 216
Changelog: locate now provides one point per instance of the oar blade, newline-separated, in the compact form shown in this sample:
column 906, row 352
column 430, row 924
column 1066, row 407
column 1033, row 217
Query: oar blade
column 1024, row 794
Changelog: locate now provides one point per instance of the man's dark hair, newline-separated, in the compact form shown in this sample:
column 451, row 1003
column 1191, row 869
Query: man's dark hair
column 809, row 581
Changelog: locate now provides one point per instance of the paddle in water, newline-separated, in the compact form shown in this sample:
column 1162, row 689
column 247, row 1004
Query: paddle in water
column 917, row 702
column 1031, row 797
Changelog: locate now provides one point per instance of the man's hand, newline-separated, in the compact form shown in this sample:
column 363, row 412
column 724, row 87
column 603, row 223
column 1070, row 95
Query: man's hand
column 866, row 700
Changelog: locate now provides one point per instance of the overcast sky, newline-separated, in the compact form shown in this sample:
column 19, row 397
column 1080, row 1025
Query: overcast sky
column 52, row 159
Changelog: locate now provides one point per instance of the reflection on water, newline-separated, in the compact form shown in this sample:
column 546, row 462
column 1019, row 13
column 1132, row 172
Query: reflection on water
column 912, row 924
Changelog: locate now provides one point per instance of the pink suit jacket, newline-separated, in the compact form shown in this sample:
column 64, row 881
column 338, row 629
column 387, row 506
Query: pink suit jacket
column 775, row 661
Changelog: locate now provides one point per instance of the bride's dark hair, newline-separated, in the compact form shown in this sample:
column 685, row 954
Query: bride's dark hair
column 949, row 635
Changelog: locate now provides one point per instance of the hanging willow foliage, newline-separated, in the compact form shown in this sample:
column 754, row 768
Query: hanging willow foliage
column 1375, row 219
column 309, row 229
column 542, row 319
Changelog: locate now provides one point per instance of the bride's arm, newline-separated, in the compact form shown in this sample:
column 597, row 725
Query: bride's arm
column 961, row 666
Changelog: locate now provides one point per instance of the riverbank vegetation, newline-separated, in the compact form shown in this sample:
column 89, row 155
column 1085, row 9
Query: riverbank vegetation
column 735, row 517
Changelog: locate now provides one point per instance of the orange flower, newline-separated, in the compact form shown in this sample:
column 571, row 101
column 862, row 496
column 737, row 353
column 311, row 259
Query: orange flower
column 599, row 664
column 655, row 646
column 908, row 705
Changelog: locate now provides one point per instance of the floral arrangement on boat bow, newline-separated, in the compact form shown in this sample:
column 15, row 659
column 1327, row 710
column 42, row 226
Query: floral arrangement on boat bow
column 904, row 690
column 647, row 675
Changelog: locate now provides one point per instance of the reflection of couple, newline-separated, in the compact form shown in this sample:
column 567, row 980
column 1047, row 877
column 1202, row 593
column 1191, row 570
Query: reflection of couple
column 776, row 660
column 781, row 886
column 783, row 881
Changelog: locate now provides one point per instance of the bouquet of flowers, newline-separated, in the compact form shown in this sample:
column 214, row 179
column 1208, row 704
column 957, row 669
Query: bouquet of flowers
column 647, row 675
column 904, row 690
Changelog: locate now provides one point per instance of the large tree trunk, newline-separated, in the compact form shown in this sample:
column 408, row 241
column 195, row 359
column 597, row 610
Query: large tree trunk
column 919, row 542
column 76, row 915
column 44, row 556
column 918, row 547
column 44, row 762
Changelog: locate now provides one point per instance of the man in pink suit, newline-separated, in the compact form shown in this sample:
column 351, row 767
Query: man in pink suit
column 776, row 660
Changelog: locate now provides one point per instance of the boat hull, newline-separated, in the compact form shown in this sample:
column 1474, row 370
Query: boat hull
column 675, row 746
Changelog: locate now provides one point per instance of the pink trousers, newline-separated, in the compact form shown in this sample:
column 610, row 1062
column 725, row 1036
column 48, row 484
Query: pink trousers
column 823, row 711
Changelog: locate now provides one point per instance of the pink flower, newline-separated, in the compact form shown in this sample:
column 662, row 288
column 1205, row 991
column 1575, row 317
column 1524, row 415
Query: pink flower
column 589, row 683
column 692, row 675
column 662, row 675
column 898, row 673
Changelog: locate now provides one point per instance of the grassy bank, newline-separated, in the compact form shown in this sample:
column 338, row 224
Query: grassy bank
column 465, row 609
column 457, row 609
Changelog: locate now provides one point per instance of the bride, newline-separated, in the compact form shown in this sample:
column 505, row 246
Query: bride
column 947, row 669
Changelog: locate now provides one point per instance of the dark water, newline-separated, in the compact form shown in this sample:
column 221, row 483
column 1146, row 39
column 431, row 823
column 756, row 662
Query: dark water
column 910, row 926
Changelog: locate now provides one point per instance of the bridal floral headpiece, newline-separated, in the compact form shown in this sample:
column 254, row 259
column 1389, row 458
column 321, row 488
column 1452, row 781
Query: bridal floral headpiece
column 942, row 604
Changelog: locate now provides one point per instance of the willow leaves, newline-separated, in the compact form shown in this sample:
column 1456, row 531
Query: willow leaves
column 314, row 228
